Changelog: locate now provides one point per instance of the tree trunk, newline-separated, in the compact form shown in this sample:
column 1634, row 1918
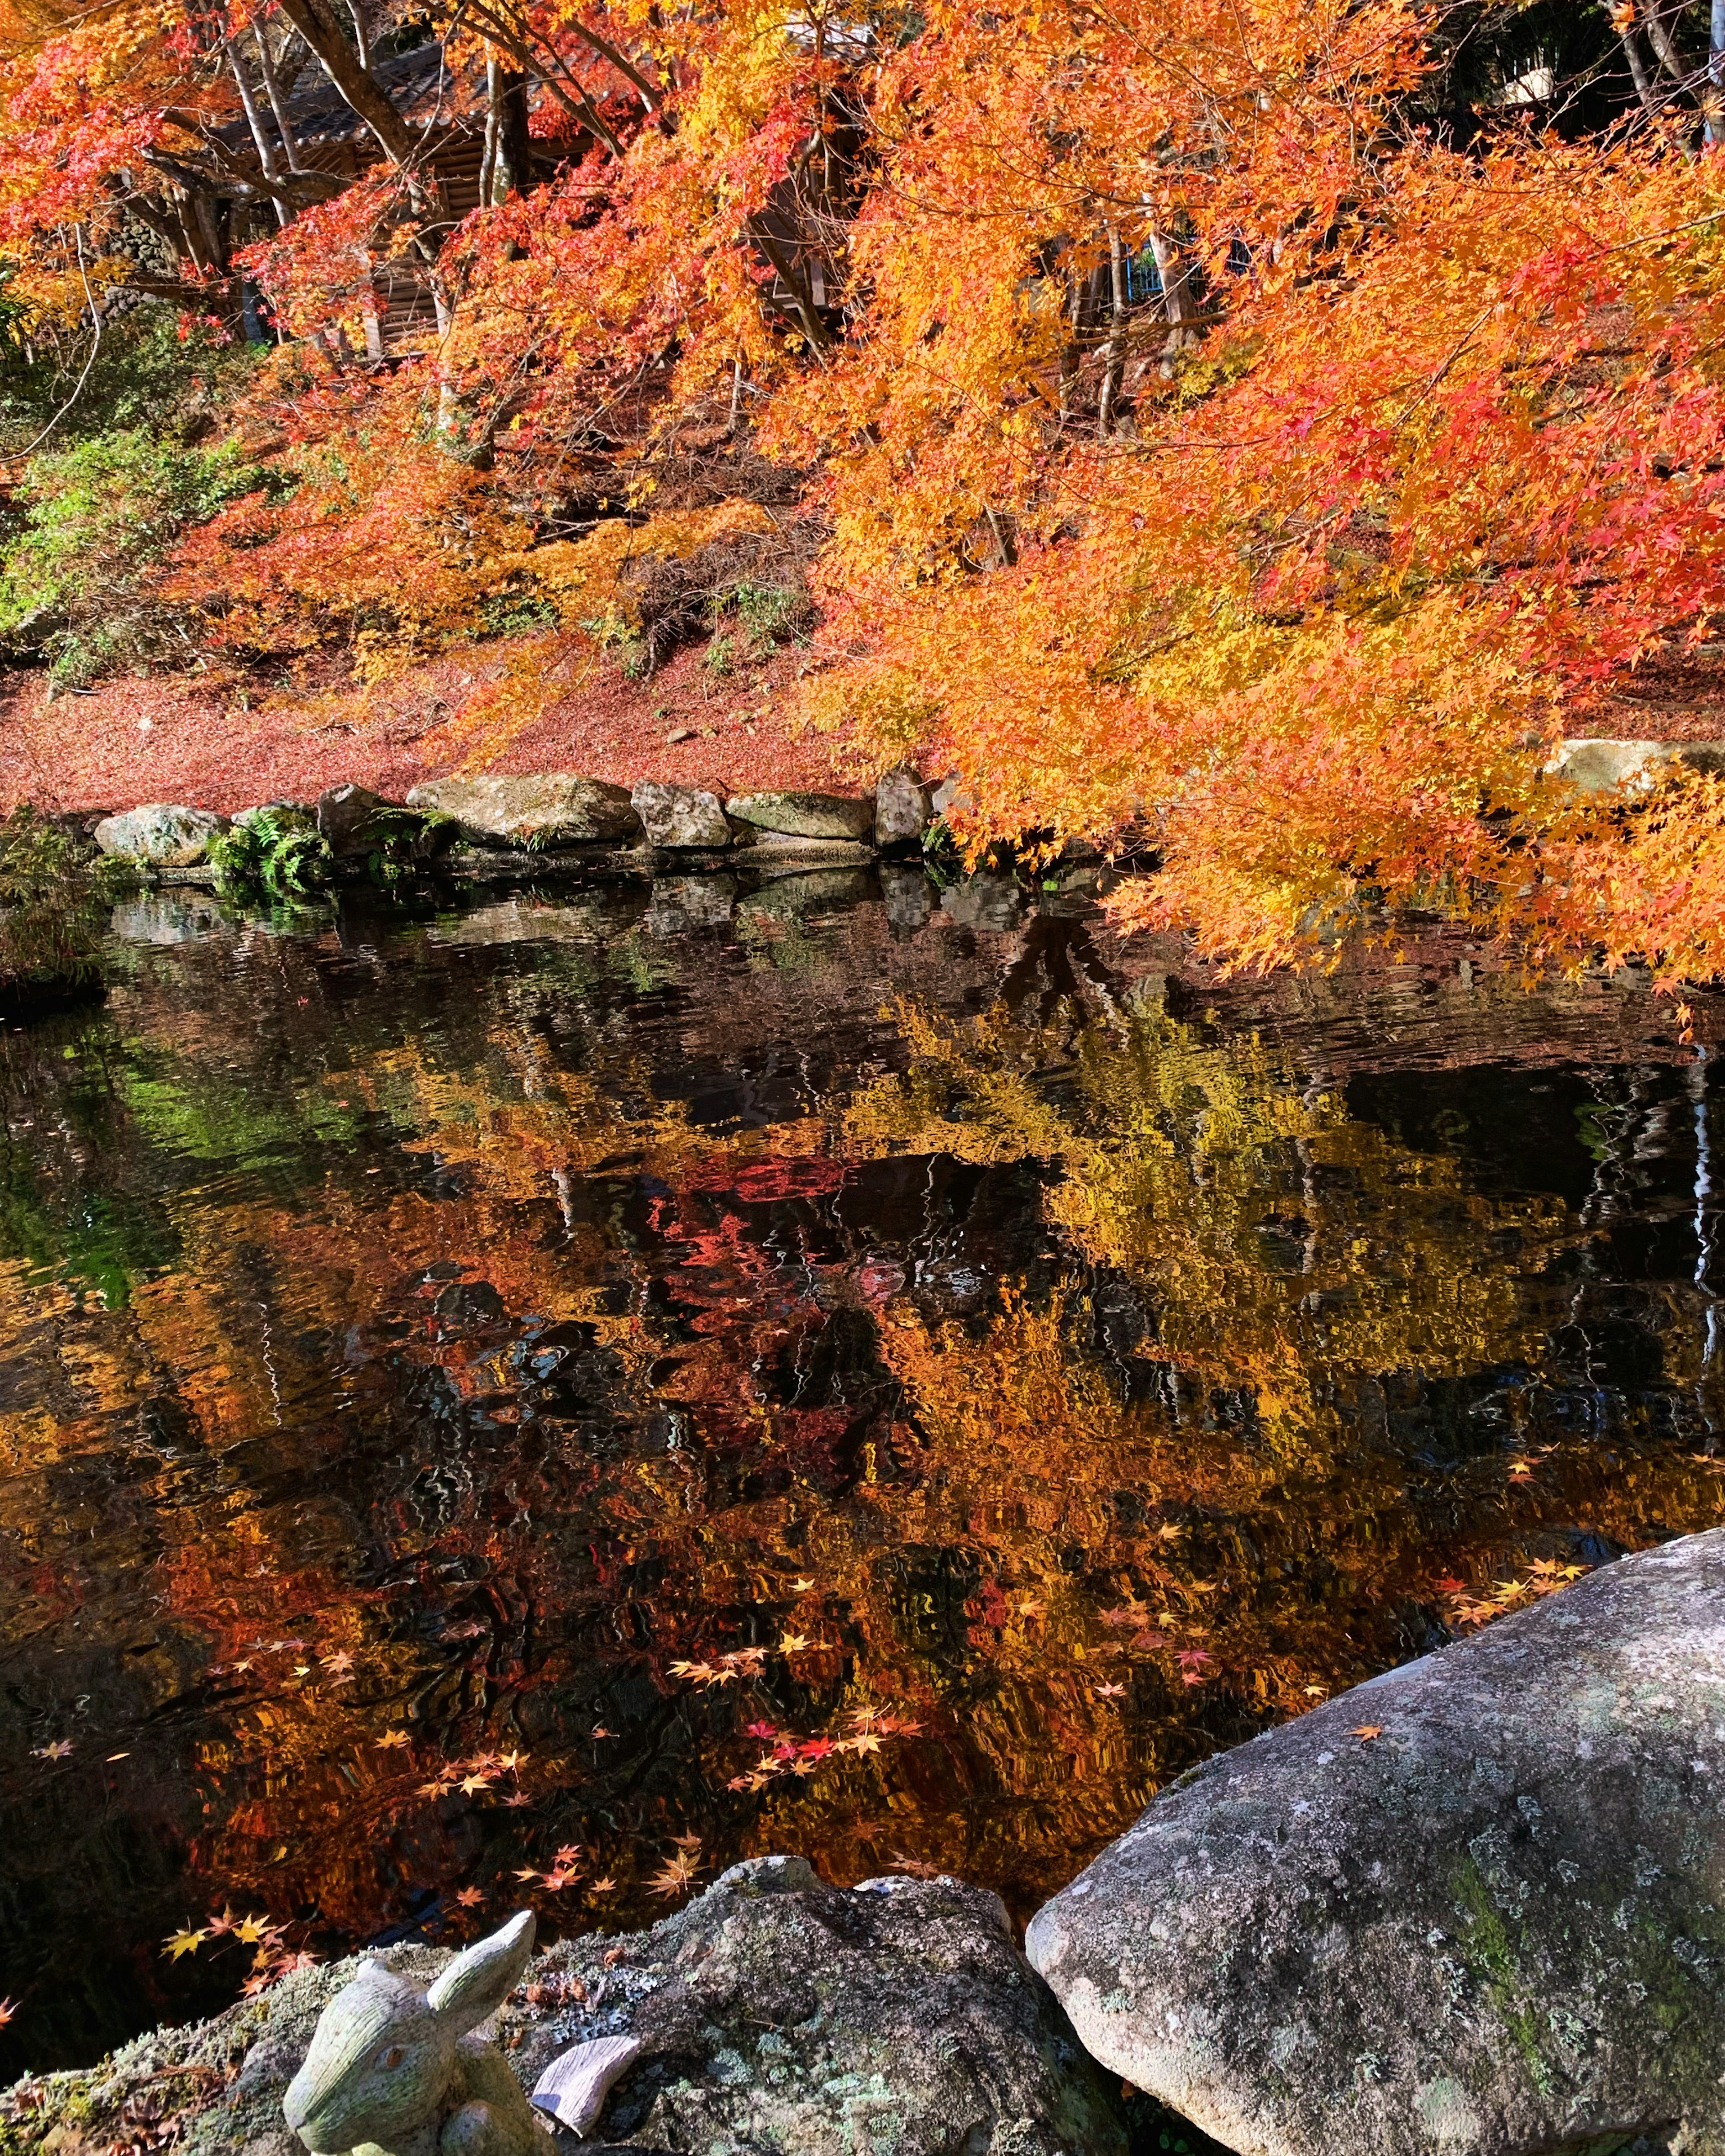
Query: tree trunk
column 1117, row 337
column 339, row 62
column 261, row 139
column 1176, row 275
column 1659, row 36
column 1072, row 351
column 1637, row 68
column 503, row 169
column 272, row 90
column 1714, row 100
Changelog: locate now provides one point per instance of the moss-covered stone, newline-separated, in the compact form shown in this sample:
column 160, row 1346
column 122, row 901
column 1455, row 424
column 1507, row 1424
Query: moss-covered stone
column 1475, row 1908
column 776, row 2014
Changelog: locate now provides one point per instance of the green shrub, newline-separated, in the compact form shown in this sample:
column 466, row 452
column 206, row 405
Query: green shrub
column 152, row 369
column 278, row 849
column 79, row 579
column 770, row 613
column 53, row 910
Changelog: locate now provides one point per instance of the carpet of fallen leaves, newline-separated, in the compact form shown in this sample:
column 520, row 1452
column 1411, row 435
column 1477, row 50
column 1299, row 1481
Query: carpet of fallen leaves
column 177, row 739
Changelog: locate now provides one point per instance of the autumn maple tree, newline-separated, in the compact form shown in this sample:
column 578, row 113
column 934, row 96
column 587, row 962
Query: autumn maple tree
column 1236, row 426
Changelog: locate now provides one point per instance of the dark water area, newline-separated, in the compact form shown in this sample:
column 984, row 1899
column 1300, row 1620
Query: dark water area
column 595, row 1385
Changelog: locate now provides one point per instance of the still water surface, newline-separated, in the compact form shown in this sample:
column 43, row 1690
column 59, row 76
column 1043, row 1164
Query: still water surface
column 999, row 1364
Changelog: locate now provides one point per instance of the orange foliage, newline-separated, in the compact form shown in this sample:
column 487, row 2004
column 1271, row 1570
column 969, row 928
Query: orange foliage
column 1300, row 572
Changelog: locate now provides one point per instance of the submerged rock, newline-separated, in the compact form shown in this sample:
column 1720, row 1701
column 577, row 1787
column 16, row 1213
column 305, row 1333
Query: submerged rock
column 1473, row 1908
column 683, row 904
column 816, row 890
column 540, row 809
column 680, row 816
column 806, row 815
column 167, row 917
column 989, row 901
column 909, row 898
column 166, row 836
column 773, row 2012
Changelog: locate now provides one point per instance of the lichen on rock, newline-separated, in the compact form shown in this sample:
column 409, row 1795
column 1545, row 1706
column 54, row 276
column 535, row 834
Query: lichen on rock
column 774, row 2012
column 1472, row 1908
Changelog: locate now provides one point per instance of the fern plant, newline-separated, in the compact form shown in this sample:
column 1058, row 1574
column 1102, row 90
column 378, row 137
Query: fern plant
column 278, row 849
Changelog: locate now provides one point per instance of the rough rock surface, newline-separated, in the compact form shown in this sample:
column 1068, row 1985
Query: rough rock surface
column 1601, row 765
column 680, row 815
column 806, row 815
column 538, row 809
column 776, row 2014
column 1494, row 1925
column 903, row 808
column 220, row 2081
column 169, row 837
column 344, row 814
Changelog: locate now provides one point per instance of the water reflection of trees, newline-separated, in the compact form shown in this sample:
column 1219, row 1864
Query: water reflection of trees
column 1113, row 1386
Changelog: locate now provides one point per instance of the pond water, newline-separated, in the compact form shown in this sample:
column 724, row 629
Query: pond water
column 595, row 1385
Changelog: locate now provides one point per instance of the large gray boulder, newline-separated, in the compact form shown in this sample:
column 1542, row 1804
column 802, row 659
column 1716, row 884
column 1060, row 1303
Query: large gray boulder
column 541, row 809
column 680, row 816
column 903, row 808
column 166, row 836
column 777, row 2013
column 773, row 2012
column 806, row 815
column 344, row 816
column 1470, row 1908
column 1598, row 765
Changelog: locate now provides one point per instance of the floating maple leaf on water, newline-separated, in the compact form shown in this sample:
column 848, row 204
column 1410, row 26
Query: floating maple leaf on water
column 8, row 2007
column 185, row 1941
column 61, row 1749
column 470, row 1897
column 392, row 1739
column 1543, row 1576
column 677, row 1876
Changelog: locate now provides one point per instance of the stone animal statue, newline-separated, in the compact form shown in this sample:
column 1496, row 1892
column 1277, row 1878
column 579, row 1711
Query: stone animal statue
column 394, row 2070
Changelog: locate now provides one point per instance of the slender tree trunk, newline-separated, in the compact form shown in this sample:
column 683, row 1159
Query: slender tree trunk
column 1714, row 101
column 1659, row 36
column 1117, row 337
column 272, row 90
column 1176, row 275
column 1072, row 352
column 261, row 139
column 340, row 63
column 494, row 121
column 1637, row 68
